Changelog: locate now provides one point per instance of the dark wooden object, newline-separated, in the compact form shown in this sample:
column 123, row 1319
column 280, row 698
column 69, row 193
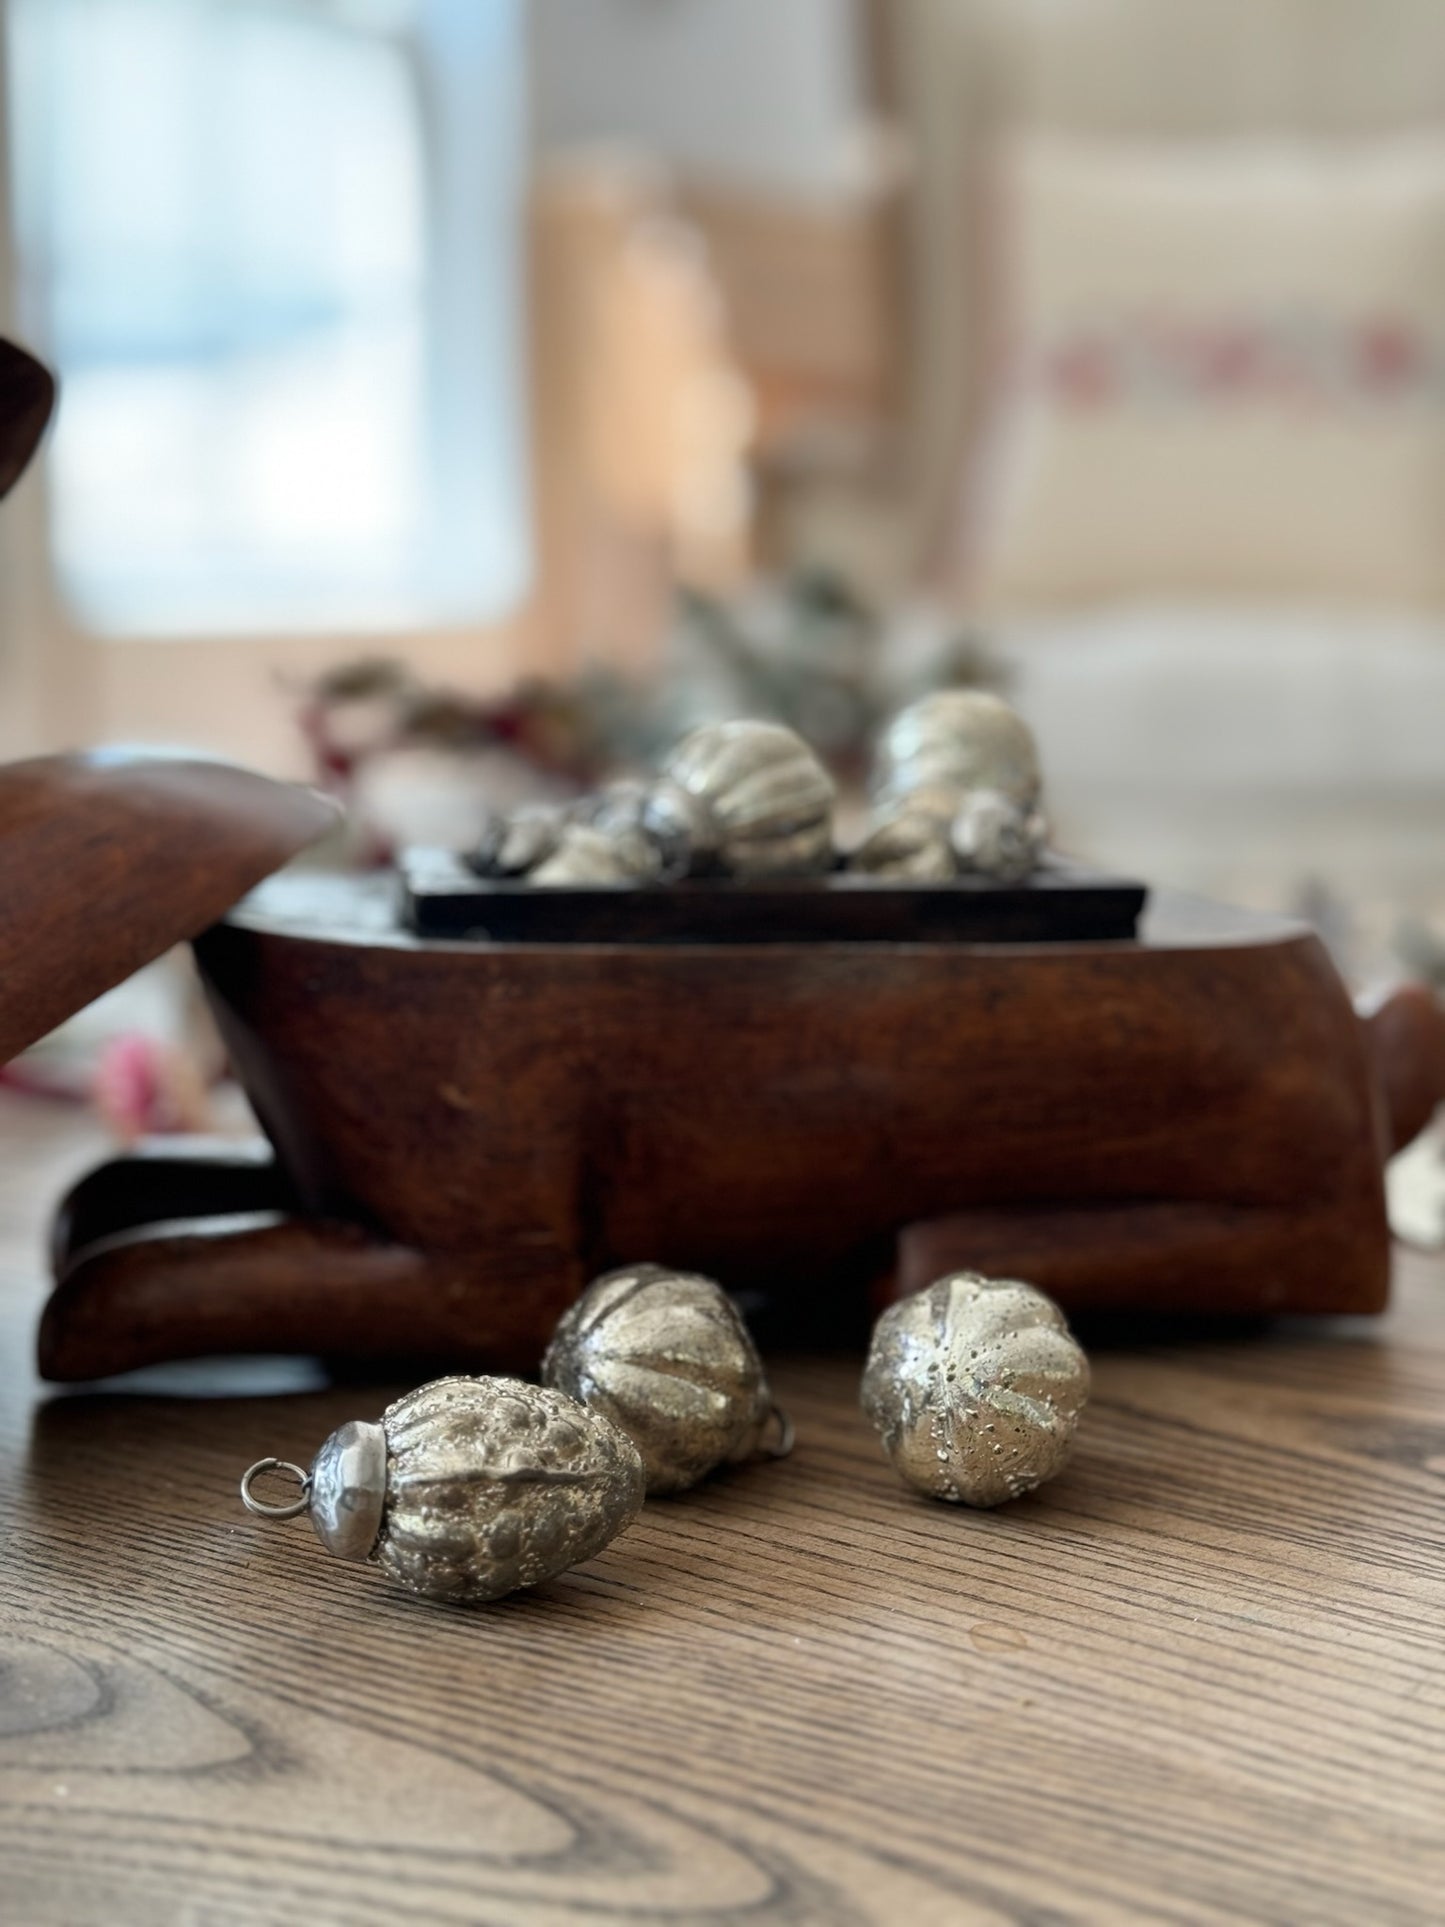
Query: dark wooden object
column 1191, row 1123
column 27, row 397
column 1407, row 1043
column 443, row 898
column 1197, row 1679
column 105, row 863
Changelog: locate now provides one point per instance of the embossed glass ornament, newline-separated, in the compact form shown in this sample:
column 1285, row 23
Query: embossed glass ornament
column 599, row 839
column 515, row 842
column 975, row 1386
column 994, row 836
column 747, row 798
column 586, row 854
column 468, row 1488
column 966, row 762
column 666, row 1356
column 945, row 745
column 912, row 845
column 607, row 838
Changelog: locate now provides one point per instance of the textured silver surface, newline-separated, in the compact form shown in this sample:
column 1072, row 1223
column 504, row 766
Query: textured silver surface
column 514, row 843
column 348, row 1489
column 994, row 836
column 586, row 853
column 748, row 797
column 956, row 740
column 910, row 844
column 666, row 1356
column 975, row 1386
column 493, row 1484
column 618, row 805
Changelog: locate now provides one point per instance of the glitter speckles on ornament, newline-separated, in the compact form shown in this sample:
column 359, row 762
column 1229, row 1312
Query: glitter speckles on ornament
column 975, row 1386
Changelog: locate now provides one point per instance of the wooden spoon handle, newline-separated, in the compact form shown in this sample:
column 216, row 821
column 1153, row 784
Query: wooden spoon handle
column 1406, row 1036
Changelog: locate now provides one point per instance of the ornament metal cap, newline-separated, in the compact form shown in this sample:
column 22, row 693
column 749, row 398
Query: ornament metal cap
column 344, row 1492
column 348, row 1489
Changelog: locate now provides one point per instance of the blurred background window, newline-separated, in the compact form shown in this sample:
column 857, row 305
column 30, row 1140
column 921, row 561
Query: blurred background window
column 275, row 248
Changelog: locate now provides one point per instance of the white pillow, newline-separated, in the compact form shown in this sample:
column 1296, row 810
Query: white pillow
column 1227, row 373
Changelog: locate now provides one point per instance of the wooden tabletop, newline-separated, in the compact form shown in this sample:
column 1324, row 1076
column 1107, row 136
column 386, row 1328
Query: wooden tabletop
column 1200, row 1678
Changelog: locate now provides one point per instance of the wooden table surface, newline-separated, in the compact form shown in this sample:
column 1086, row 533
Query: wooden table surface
column 1201, row 1678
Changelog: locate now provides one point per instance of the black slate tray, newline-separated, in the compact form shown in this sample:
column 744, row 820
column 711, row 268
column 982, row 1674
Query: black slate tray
column 1061, row 903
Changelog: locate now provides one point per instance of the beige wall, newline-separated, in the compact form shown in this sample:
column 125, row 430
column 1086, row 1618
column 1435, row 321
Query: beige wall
column 228, row 696
column 236, row 696
column 1208, row 67
column 749, row 95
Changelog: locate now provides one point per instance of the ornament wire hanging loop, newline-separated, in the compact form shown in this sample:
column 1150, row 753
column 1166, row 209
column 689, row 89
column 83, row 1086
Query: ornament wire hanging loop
column 784, row 1436
column 294, row 1507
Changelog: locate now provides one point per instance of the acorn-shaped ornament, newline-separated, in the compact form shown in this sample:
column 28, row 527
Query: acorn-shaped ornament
column 975, row 1386
column 666, row 1356
column 468, row 1488
column 747, row 798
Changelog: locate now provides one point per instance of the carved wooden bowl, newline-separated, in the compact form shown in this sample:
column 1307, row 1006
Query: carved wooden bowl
column 465, row 1132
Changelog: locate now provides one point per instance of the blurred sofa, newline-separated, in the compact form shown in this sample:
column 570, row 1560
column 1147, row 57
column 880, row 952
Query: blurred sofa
column 1253, row 753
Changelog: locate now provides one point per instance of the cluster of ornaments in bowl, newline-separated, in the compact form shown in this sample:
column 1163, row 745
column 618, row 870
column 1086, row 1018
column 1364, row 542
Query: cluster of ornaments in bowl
column 957, row 790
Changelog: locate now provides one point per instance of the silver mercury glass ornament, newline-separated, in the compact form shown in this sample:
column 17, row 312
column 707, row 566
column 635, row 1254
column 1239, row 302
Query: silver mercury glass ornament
column 607, row 839
column 666, row 1356
column 588, row 855
column 956, row 740
column 997, row 837
column 967, row 760
column 975, row 1386
column 747, row 798
column 513, row 843
column 912, row 845
column 468, row 1488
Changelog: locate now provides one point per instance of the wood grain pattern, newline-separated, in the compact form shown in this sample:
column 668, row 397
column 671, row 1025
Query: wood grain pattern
column 1198, row 1679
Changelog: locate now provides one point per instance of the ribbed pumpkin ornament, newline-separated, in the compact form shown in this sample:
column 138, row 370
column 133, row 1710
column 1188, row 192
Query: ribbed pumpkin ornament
column 468, row 1488
column 975, row 1386
column 967, row 761
column 666, row 1356
column 607, row 839
column 910, row 845
column 956, row 740
column 747, row 798
column 586, row 854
